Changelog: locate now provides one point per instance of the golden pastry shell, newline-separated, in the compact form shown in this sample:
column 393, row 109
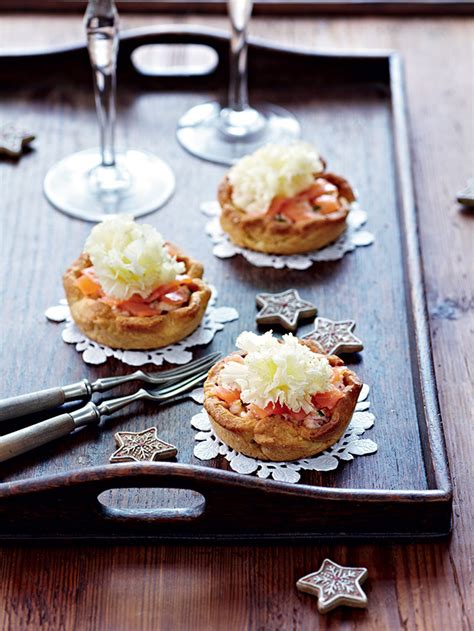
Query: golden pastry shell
column 106, row 325
column 275, row 438
column 263, row 233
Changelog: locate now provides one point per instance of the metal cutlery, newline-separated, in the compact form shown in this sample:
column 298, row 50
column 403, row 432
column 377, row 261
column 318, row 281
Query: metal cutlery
column 29, row 438
column 23, row 404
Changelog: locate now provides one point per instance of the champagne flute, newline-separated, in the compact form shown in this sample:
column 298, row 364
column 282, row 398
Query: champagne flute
column 225, row 134
column 96, row 183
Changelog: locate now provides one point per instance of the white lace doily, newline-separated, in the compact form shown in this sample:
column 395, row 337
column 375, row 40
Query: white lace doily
column 353, row 237
column 350, row 445
column 94, row 353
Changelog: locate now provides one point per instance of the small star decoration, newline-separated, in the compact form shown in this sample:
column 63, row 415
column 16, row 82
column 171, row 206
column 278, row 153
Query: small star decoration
column 335, row 585
column 13, row 140
column 466, row 196
column 142, row 446
column 285, row 308
column 335, row 337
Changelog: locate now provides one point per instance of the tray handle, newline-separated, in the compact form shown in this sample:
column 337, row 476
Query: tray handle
column 73, row 498
column 158, row 514
column 67, row 506
column 266, row 61
column 132, row 40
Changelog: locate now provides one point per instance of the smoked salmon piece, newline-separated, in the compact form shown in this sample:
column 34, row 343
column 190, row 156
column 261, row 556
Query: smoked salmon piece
column 88, row 286
column 327, row 399
column 320, row 196
column 226, row 394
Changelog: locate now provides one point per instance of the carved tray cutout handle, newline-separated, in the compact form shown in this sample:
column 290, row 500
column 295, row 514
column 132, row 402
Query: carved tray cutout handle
column 175, row 60
column 151, row 504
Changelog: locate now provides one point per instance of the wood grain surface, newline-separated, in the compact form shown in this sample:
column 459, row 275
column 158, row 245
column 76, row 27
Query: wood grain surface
column 262, row 7
column 422, row 586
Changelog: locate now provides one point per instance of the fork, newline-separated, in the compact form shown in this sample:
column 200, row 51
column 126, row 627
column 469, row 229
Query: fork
column 29, row 438
column 23, row 404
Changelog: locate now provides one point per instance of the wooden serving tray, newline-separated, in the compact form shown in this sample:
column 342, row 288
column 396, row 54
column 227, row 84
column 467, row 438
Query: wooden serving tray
column 352, row 107
column 262, row 7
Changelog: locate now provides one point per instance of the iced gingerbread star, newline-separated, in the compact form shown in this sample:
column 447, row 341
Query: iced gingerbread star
column 335, row 337
column 285, row 308
column 13, row 140
column 466, row 196
column 335, row 585
column 142, row 446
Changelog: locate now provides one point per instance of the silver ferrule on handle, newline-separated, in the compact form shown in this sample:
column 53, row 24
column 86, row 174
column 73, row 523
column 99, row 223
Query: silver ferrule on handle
column 87, row 415
column 102, row 27
column 239, row 13
column 80, row 390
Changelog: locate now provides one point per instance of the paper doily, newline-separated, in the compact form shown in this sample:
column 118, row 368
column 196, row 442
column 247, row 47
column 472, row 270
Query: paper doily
column 353, row 237
column 350, row 445
column 94, row 353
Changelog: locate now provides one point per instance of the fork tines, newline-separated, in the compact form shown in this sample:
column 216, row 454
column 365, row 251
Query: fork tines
column 191, row 368
column 176, row 388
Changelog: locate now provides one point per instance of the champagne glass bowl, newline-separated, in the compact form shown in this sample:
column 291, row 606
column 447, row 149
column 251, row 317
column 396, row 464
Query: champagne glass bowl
column 224, row 134
column 96, row 183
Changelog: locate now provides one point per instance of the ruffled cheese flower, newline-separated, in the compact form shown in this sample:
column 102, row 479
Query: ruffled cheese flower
column 273, row 371
column 130, row 258
column 273, row 170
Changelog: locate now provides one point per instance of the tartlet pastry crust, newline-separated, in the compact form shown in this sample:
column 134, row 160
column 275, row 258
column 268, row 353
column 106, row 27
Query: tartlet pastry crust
column 264, row 234
column 105, row 325
column 276, row 438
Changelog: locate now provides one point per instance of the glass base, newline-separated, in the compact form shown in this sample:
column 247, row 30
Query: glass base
column 220, row 135
column 79, row 186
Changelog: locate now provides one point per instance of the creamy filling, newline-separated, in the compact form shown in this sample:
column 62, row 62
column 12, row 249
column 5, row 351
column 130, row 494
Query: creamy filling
column 283, row 373
column 319, row 414
column 273, row 171
column 321, row 198
column 162, row 299
column 311, row 420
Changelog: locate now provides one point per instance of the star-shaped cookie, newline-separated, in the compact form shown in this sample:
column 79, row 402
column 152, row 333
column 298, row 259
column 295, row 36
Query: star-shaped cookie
column 285, row 308
column 335, row 337
column 335, row 585
column 142, row 446
column 466, row 196
column 13, row 140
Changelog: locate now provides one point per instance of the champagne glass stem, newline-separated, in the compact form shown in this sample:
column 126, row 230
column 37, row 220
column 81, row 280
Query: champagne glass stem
column 101, row 21
column 239, row 13
column 226, row 134
column 105, row 104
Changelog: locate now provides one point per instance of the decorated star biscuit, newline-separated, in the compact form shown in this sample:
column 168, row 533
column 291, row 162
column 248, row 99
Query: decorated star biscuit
column 142, row 446
column 335, row 585
column 13, row 140
column 285, row 308
column 335, row 337
column 466, row 196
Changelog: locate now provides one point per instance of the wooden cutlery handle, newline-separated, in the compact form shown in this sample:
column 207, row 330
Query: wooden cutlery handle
column 43, row 400
column 31, row 403
column 28, row 438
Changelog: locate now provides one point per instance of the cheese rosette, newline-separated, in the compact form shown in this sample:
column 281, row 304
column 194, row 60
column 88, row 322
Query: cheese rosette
column 273, row 171
column 130, row 258
column 276, row 371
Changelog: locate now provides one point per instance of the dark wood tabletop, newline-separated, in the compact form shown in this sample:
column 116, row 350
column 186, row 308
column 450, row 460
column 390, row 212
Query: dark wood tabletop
column 410, row 586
